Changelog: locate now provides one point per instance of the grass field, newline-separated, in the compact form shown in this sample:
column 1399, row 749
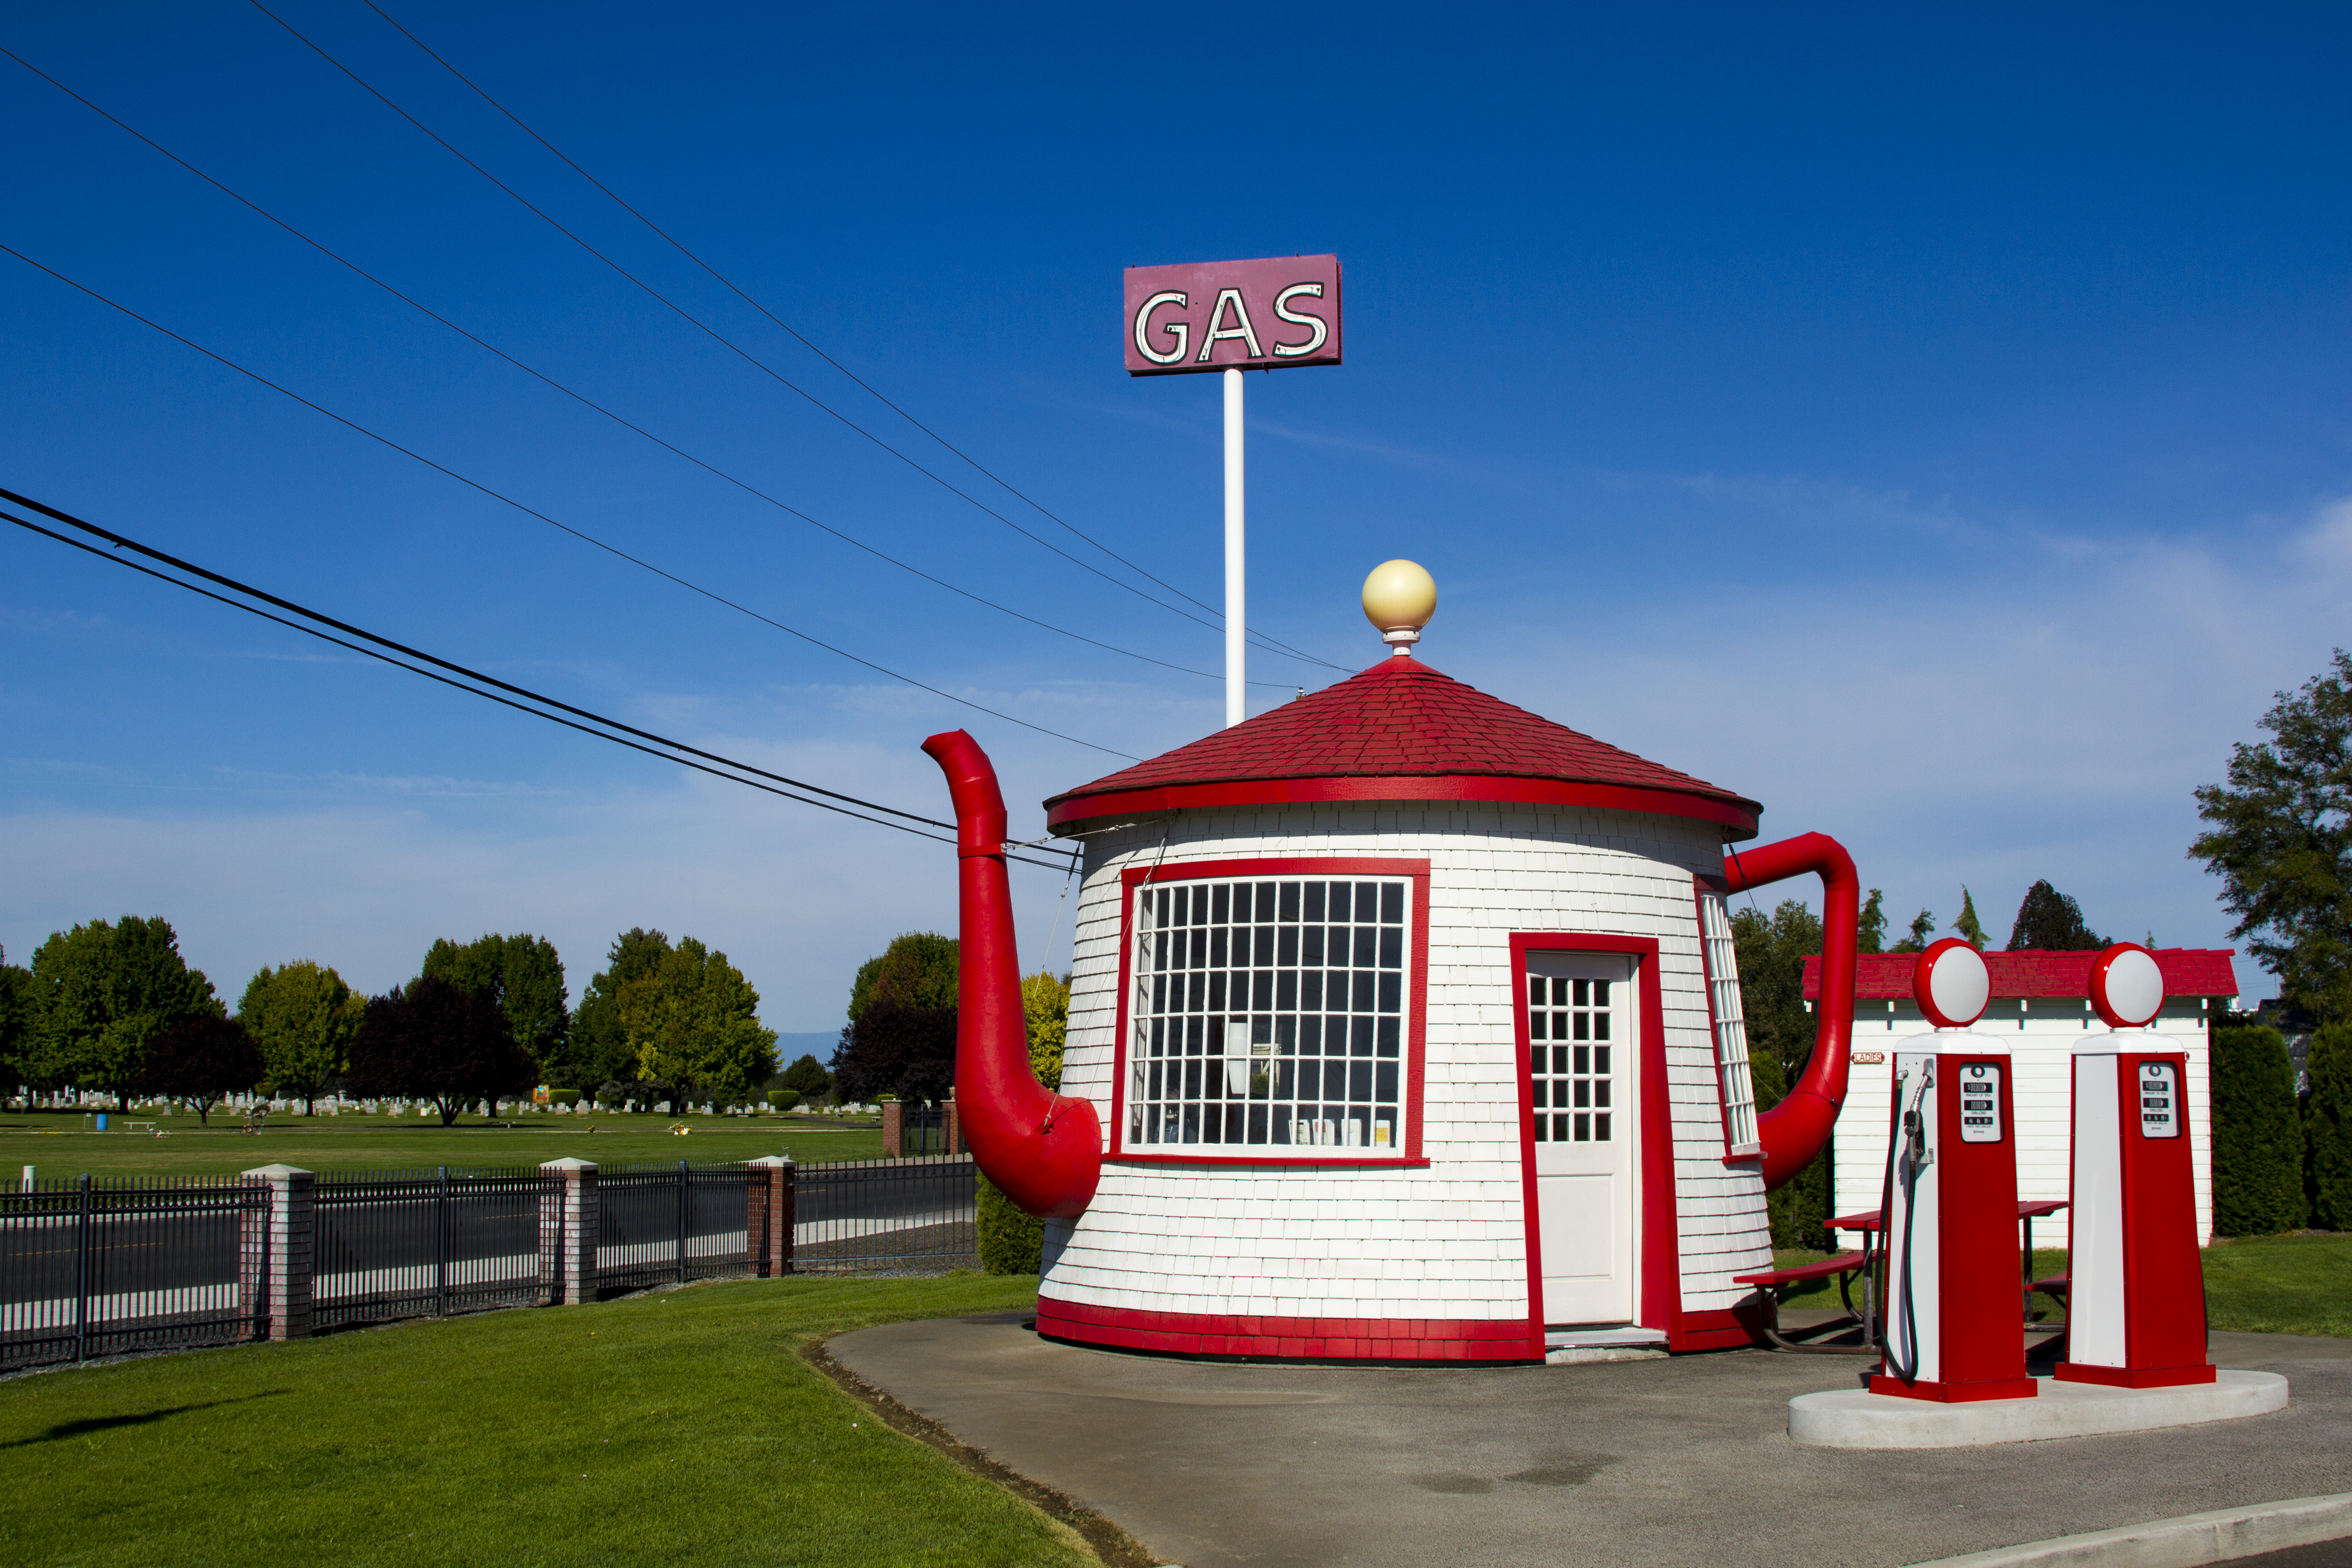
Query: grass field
column 2260, row 1284
column 2282, row 1284
column 62, row 1144
column 680, row 1428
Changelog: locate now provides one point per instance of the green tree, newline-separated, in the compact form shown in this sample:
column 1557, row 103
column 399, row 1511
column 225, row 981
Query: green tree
column 520, row 973
column 16, row 1017
column 1971, row 929
column 918, row 970
column 601, row 1057
column 2050, row 922
column 807, row 1075
column 2257, row 1147
column 200, row 1061
column 303, row 1018
column 694, row 1022
column 2327, row 1127
column 1045, row 1003
column 101, row 993
column 433, row 1041
column 2282, row 842
column 1772, row 952
column 907, row 1051
column 1923, row 931
column 1870, row 930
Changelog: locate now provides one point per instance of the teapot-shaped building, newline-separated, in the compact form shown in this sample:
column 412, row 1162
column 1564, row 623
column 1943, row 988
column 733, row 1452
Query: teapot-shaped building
column 1405, row 1025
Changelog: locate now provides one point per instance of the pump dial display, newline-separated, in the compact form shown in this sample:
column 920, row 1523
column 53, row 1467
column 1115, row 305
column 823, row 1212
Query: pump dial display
column 1979, row 1085
column 2160, row 1100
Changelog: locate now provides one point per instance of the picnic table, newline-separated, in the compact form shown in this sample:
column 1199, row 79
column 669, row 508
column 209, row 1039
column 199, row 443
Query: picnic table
column 1771, row 1285
column 2028, row 1211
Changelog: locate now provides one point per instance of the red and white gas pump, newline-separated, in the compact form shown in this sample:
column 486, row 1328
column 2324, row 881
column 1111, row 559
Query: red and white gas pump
column 2136, row 1309
column 1950, row 1206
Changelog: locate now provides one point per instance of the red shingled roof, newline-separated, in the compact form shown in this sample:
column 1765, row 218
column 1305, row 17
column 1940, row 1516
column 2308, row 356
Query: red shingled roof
column 2188, row 971
column 1399, row 719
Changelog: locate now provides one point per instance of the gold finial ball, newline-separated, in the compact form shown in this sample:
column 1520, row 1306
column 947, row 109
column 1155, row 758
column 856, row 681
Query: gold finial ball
column 1399, row 598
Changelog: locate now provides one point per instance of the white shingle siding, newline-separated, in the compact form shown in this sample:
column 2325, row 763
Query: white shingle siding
column 1449, row 1240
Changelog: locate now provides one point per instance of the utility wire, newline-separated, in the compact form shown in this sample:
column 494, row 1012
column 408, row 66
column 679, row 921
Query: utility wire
column 592, row 404
column 532, row 512
column 121, row 543
column 737, row 348
column 1265, row 641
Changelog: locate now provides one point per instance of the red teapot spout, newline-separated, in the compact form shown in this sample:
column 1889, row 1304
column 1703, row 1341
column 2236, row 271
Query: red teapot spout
column 1041, row 1149
column 1794, row 1130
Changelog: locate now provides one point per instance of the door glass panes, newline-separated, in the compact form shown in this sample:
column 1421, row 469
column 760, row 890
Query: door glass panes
column 1571, row 1058
column 1270, row 1014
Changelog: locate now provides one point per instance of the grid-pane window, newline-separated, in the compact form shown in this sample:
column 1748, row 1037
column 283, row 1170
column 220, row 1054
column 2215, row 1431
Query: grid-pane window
column 1731, row 1026
column 1269, row 1014
column 1571, row 1057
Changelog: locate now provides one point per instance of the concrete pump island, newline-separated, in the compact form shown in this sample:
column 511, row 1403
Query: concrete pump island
column 1406, row 1064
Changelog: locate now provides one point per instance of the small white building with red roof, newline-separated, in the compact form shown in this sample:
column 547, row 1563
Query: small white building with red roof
column 2041, row 1007
column 1399, row 1008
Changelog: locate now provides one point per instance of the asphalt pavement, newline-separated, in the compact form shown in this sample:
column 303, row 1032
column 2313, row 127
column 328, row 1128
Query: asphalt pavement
column 1655, row 1464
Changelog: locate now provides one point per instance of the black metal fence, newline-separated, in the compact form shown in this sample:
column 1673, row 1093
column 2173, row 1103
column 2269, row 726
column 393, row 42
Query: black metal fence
column 92, row 1268
column 419, row 1243
column 661, row 1224
column 922, row 1130
column 96, row 1268
column 917, row 1216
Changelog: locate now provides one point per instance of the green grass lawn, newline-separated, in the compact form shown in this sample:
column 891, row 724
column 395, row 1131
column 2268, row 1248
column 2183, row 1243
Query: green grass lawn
column 2261, row 1285
column 62, row 1146
column 2281, row 1284
column 681, row 1427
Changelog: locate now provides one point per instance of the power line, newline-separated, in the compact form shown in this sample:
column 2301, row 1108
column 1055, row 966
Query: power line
column 532, row 512
column 1269, row 643
column 592, row 404
column 121, row 541
column 737, row 348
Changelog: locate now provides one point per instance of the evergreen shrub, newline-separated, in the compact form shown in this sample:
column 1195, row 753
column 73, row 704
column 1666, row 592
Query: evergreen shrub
column 2328, row 1128
column 1010, row 1242
column 782, row 1100
column 2257, row 1147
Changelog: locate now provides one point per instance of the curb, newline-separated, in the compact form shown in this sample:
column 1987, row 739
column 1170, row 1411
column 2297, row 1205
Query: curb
column 2221, row 1535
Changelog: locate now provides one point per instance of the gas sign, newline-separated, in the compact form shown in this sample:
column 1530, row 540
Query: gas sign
column 1233, row 315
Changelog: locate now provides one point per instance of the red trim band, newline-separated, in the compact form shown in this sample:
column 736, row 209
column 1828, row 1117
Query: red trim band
column 1716, row 1328
column 1438, row 786
column 1291, row 1338
column 1244, row 1161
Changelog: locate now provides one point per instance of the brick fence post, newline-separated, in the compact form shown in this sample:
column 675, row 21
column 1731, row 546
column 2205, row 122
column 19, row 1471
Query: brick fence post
column 569, row 1219
column 953, row 1129
column 289, row 1238
column 767, row 1213
column 894, row 1129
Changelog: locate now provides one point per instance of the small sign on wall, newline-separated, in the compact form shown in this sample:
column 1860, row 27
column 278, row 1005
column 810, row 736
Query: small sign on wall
column 1227, row 315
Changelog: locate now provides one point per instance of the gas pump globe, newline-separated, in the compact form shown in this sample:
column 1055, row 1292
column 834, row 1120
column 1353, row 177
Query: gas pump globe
column 1950, row 1200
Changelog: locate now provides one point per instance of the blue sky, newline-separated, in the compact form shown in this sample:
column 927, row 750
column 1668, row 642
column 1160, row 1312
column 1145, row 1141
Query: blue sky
column 1934, row 426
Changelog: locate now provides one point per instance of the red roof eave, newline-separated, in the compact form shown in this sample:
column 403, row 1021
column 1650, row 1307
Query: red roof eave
column 2188, row 971
column 1739, row 816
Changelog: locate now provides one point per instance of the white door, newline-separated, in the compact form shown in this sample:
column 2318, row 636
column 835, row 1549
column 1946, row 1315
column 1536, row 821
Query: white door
column 1581, row 1064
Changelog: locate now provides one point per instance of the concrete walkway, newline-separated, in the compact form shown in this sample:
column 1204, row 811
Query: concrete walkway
column 1680, row 1464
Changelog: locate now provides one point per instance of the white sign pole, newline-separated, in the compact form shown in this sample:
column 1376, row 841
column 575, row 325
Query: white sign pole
column 1237, row 628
